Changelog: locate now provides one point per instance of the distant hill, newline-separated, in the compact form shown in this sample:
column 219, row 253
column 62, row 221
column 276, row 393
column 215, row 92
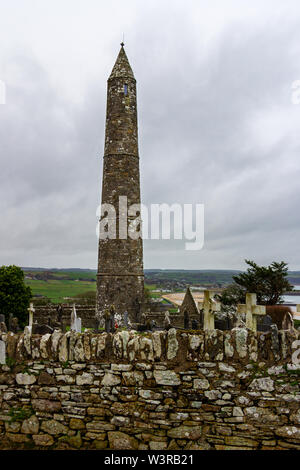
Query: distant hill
column 175, row 278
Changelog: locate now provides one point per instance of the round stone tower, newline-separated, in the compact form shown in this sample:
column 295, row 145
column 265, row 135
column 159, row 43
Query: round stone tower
column 120, row 279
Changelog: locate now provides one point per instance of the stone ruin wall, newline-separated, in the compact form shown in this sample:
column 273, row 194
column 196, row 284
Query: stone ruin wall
column 87, row 315
column 177, row 320
column 85, row 312
column 162, row 390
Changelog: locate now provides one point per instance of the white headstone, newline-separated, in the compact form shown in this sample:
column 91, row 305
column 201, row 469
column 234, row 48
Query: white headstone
column 75, row 321
column 2, row 352
column 31, row 311
column 78, row 325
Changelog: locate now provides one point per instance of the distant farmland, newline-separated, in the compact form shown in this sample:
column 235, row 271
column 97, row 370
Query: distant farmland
column 56, row 290
column 59, row 283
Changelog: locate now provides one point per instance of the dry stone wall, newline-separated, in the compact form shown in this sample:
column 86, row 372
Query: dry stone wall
column 165, row 390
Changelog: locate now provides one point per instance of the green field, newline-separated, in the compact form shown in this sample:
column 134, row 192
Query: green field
column 56, row 284
column 56, row 290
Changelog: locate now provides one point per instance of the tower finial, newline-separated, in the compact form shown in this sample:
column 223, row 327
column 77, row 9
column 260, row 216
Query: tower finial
column 122, row 43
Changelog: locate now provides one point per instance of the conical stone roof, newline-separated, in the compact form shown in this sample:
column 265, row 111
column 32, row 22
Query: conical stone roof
column 122, row 67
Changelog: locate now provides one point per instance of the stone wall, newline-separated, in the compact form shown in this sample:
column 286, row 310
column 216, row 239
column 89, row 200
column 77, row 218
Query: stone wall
column 87, row 314
column 175, row 390
column 176, row 319
column 85, row 311
column 120, row 278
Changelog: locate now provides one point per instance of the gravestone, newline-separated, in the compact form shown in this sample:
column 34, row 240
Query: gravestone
column 265, row 324
column 275, row 339
column 2, row 352
column 209, row 307
column 59, row 311
column 14, row 325
column 3, row 328
column 31, row 311
column 112, row 312
column 188, row 305
column 126, row 319
column 141, row 327
column 167, row 321
column 195, row 325
column 97, row 325
column 107, row 320
column 223, row 324
column 252, row 311
column 10, row 317
column 186, row 320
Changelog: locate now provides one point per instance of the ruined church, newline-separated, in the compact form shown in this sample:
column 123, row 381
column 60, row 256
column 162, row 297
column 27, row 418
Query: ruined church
column 120, row 277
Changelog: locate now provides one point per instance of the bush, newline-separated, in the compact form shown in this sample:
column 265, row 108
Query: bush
column 269, row 283
column 14, row 294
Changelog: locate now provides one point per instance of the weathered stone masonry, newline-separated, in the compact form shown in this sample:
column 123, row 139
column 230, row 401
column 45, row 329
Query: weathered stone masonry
column 166, row 390
column 120, row 279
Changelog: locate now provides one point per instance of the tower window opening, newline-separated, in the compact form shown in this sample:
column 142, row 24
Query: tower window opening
column 125, row 89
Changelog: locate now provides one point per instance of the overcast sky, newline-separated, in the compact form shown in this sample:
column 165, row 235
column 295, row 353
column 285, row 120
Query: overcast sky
column 216, row 125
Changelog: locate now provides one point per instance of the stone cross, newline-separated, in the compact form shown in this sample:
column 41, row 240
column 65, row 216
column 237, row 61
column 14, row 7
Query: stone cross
column 31, row 311
column 186, row 320
column 126, row 324
column 210, row 307
column 251, row 310
column 2, row 352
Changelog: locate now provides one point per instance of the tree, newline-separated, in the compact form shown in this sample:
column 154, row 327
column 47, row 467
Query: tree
column 232, row 295
column 14, row 294
column 269, row 283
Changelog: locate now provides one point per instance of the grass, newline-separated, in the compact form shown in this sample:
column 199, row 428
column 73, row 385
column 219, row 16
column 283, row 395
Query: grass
column 19, row 414
column 56, row 290
column 155, row 295
column 151, row 286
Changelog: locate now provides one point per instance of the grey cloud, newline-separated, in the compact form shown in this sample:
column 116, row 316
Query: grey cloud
column 203, row 118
